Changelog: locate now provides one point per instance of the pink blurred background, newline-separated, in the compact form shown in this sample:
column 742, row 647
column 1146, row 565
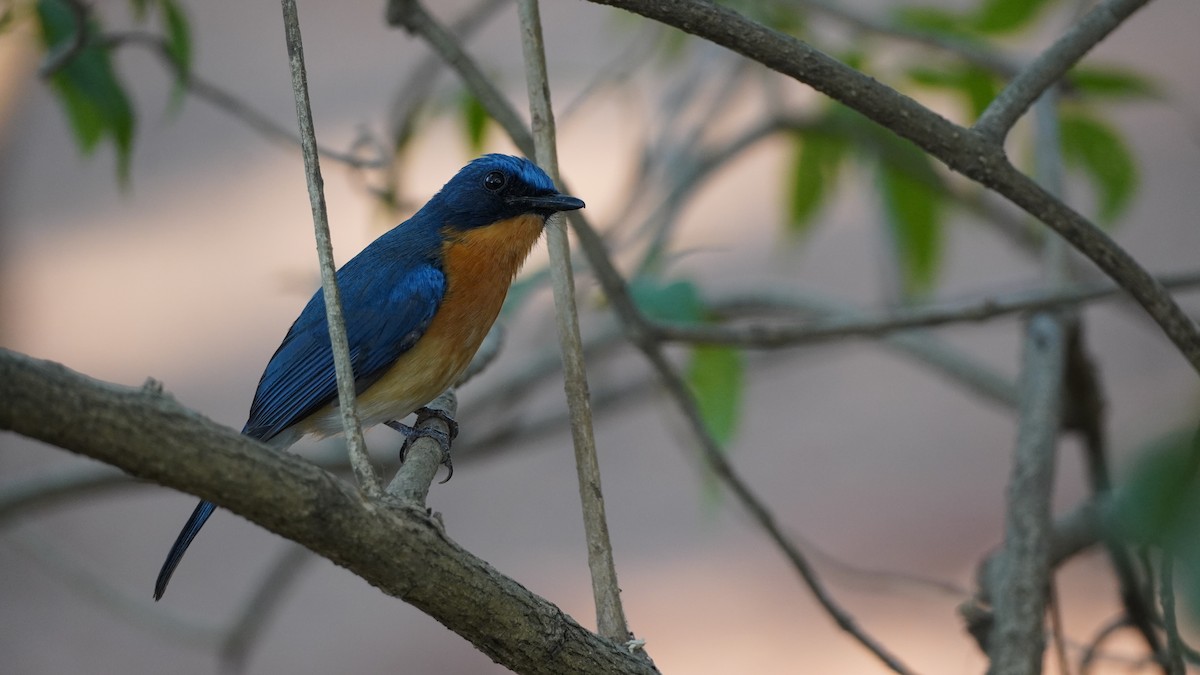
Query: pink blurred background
column 193, row 274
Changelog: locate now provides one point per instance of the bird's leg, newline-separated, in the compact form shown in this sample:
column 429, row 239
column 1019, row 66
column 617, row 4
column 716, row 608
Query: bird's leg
column 414, row 432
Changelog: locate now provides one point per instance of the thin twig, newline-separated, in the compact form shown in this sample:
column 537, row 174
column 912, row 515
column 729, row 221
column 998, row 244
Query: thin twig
column 83, row 578
column 766, row 336
column 226, row 101
column 355, row 446
column 610, row 615
column 1050, row 66
column 922, row 346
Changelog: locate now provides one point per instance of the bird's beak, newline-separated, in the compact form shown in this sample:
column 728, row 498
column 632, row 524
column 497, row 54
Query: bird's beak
column 551, row 202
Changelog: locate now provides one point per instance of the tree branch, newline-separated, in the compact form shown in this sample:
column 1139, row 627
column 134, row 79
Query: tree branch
column 768, row 336
column 396, row 547
column 963, row 150
column 1017, row 638
column 1050, row 66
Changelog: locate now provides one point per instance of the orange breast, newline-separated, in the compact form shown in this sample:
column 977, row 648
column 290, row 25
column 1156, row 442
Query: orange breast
column 479, row 265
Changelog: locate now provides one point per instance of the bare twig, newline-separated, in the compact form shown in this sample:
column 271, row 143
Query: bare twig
column 1051, row 65
column 85, row 580
column 231, row 104
column 1018, row 637
column 355, row 445
column 820, row 330
column 610, row 615
column 18, row 497
column 922, row 346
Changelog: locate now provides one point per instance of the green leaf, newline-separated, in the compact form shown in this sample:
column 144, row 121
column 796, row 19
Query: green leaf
column 475, row 119
column 678, row 301
column 1159, row 500
column 1006, row 16
column 1095, row 148
column 815, row 161
column 89, row 91
column 913, row 209
column 1112, row 83
column 715, row 376
column 1158, row 504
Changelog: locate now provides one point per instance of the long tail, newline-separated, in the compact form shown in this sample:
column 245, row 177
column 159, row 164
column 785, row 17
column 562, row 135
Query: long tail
column 186, row 535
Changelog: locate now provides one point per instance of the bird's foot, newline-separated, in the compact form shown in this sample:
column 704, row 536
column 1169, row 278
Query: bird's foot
column 411, row 434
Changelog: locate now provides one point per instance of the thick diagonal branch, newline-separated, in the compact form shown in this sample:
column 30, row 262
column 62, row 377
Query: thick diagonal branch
column 394, row 546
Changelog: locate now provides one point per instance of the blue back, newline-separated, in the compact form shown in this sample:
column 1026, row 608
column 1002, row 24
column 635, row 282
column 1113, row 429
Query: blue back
column 390, row 292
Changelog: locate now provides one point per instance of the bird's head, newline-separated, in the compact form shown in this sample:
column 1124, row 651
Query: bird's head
column 496, row 188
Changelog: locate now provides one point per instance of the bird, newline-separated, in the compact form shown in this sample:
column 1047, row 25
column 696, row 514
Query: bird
column 417, row 303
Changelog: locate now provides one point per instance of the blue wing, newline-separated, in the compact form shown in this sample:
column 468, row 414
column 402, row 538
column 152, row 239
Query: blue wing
column 389, row 292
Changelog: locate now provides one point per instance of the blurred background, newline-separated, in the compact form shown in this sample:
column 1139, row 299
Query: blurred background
column 191, row 270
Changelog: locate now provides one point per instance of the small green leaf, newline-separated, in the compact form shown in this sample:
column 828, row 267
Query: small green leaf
column 1159, row 500
column 89, row 91
column 816, row 159
column 1112, row 83
column 914, row 215
column 715, row 376
column 1158, row 504
column 1095, row 148
column 1006, row 16
column 475, row 122
column 678, row 301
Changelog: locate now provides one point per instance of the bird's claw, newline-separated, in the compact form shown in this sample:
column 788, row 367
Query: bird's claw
column 411, row 434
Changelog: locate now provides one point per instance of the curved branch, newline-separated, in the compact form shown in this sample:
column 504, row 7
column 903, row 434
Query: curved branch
column 966, row 151
column 396, row 547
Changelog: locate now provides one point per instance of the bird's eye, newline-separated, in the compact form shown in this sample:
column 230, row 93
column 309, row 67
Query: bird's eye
column 494, row 180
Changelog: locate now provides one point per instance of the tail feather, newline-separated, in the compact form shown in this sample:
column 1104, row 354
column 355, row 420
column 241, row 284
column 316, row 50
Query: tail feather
column 203, row 510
